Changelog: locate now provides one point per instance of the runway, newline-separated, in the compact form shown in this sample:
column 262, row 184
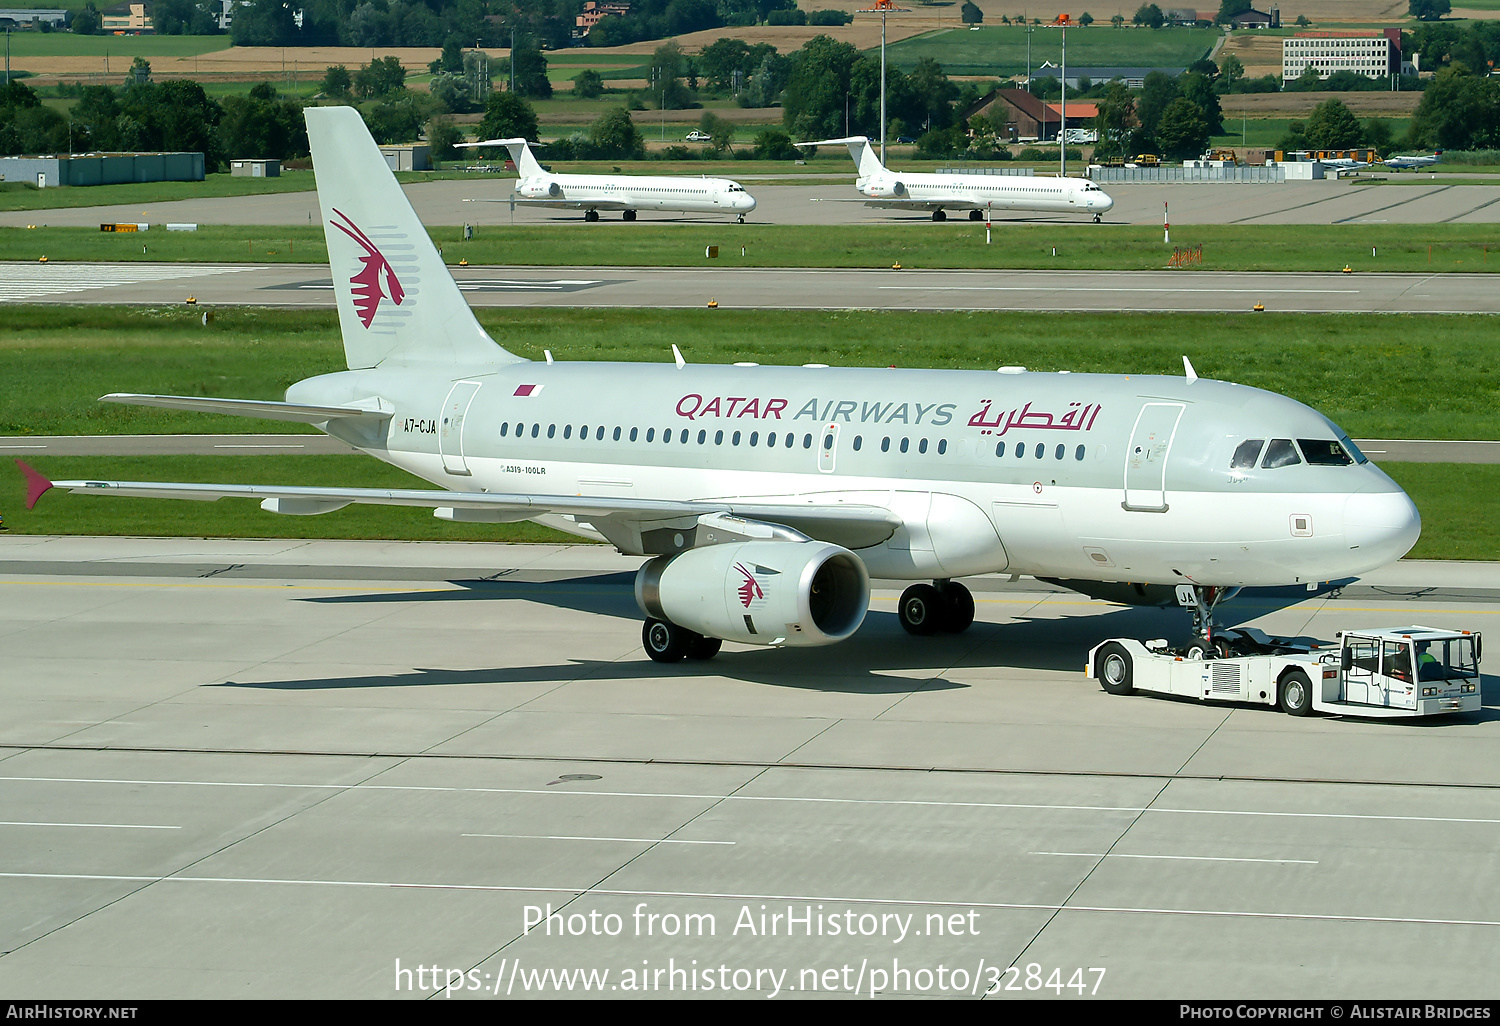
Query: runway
column 302, row 769
column 781, row 288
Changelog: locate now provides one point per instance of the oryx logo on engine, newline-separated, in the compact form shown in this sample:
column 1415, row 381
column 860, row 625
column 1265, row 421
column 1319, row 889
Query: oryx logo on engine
column 749, row 588
column 367, row 283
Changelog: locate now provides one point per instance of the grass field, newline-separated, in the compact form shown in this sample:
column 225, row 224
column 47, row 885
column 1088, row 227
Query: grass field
column 1410, row 248
column 1378, row 376
column 1001, row 49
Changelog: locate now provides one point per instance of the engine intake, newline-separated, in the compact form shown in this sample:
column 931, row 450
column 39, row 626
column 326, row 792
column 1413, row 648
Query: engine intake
column 760, row 593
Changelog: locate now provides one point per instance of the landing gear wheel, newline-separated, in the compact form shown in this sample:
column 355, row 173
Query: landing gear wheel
column 591, row 215
column 629, row 215
column 1098, row 218
column 741, row 219
column 940, row 215
column 665, row 642
column 1197, row 652
column 704, row 648
column 976, row 215
column 1115, row 670
column 1296, row 694
column 921, row 609
column 960, row 603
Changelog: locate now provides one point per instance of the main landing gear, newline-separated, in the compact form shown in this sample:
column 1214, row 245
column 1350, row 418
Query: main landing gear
column 665, row 642
column 940, row 215
column 629, row 215
column 976, row 215
column 591, row 215
column 940, row 606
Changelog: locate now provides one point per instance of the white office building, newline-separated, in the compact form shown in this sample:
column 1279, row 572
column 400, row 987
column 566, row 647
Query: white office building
column 1371, row 53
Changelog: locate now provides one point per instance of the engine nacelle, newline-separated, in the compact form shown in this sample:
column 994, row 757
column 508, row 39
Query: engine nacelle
column 886, row 189
column 759, row 592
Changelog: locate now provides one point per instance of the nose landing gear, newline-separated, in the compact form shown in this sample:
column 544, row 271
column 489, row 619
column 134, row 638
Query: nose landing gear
column 1202, row 599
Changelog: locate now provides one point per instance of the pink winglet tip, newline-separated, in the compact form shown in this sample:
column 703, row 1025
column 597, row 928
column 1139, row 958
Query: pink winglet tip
column 36, row 484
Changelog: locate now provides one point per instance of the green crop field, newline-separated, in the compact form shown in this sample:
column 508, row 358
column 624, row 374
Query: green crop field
column 66, row 44
column 1000, row 50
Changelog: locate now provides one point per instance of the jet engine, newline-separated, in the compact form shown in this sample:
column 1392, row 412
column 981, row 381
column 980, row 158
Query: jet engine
column 759, row 592
column 888, row 189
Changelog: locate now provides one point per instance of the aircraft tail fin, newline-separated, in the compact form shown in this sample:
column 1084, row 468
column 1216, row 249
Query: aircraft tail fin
column 520, row 154
column 860, row 149
column 396, row 299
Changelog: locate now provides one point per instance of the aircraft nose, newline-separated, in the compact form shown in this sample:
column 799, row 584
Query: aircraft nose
column 1381, row 526
column 744, row 201
column 1102, row 202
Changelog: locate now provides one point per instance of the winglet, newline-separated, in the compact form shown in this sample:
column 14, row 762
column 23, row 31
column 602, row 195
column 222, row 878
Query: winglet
column 36, row 484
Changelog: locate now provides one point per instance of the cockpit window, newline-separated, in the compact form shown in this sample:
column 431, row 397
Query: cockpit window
column 1246, row 455
column 1280, row 453
column 1321, row 452
column 1352, row 449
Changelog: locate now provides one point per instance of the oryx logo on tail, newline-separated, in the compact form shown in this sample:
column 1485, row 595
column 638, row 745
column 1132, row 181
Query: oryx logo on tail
column 367, row 283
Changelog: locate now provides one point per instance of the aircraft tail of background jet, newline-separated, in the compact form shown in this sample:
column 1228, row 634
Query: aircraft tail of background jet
column 520, row 153
column 860, row 149
column 396, row 300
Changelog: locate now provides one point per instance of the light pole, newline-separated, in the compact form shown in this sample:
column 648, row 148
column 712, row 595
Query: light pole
column 1062, row 22
column 883, row 7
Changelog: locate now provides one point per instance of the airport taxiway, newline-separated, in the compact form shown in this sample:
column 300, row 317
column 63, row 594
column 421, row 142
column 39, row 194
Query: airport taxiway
column 486, row 201
column 294, row 769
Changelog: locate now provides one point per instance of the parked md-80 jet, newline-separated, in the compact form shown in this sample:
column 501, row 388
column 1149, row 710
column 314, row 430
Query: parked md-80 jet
column 939, row 193
column 763, row 499
column 629, row 193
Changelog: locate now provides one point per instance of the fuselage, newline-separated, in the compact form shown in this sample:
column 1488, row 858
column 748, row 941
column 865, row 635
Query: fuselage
column 1111, row 478
column 976, row 192
column 631, row 192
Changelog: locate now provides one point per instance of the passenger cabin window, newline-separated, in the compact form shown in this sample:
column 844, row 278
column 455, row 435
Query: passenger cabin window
column 1324, row 452
column 1280, row 453
column 1246, row 454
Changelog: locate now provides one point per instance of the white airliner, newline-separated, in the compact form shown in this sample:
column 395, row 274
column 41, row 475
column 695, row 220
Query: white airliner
column 629, row 193
column 903, row 190
column 767, row 497
column 1412, row 163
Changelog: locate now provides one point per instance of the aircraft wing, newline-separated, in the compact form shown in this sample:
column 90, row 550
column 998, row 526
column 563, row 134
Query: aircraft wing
column 854, row 526
column 260, row 409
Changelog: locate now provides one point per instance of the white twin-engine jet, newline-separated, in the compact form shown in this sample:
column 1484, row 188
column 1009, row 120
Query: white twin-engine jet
column 629, row 193
column 767, row 497
column 940, row 193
